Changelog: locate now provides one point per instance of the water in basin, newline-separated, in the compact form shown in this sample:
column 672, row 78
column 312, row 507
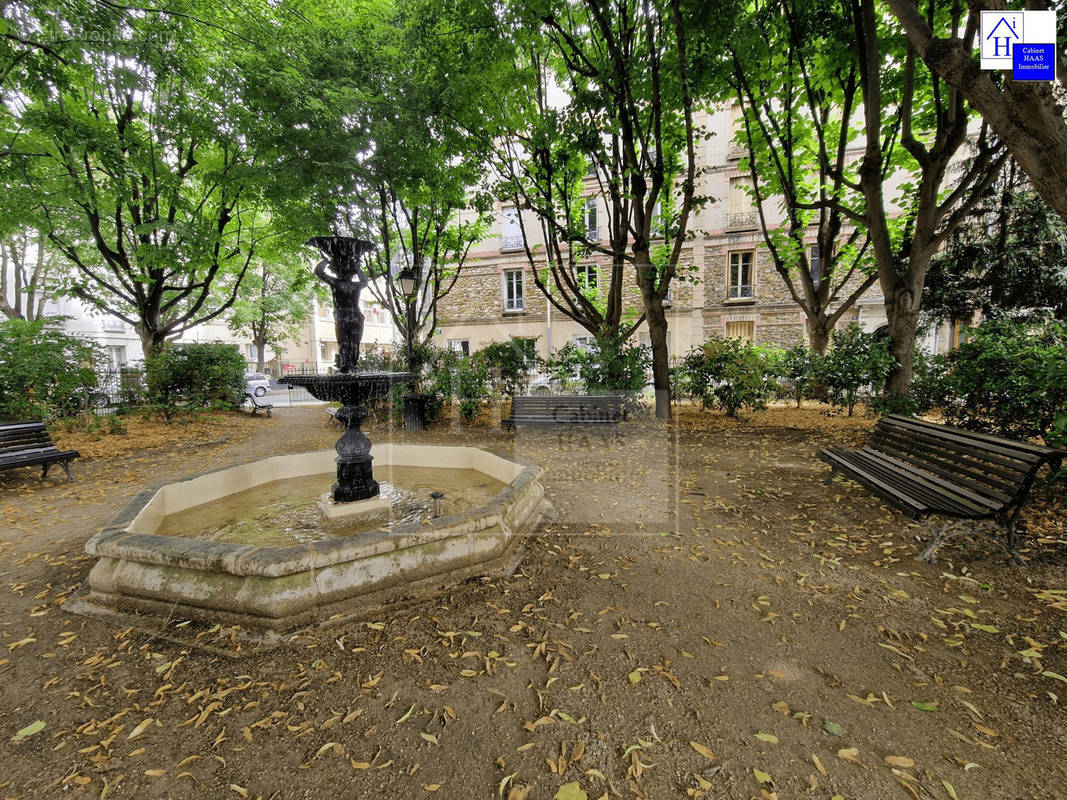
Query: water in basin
column 284, row 513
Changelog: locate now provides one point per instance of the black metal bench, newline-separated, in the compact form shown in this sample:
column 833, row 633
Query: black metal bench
column 925, row 469
column 258, row 406
column 565, row 410
column 27, row 444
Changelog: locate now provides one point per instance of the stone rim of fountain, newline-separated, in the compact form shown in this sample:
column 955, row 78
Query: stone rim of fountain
column 114, row 540
column 270, row 592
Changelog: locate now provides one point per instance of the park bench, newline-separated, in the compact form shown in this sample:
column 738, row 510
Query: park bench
column 27, row 444
column 924, row 469
column 565, row 410
column 268, row 407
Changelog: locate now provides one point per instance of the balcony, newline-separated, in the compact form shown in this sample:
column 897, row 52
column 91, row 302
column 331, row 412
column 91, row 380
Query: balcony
column 737, row 150
column 741, row 292
column 743, row 221
column 510, row 243
column 513, row 305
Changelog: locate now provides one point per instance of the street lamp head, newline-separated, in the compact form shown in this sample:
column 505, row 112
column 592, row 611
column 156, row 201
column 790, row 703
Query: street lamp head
column 406, row 279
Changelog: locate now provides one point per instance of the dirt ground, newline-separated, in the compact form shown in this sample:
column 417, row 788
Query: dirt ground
column 700, row 617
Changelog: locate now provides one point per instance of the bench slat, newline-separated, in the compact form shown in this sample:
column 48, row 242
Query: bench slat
column 980, row 477
column 980, row 442
column 920, row 498
column 936, row 487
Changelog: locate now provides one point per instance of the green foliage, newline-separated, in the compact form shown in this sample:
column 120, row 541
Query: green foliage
column 612, row 365
column 195, row 377
column 456, row 378
column 1009, row 258
column 510, row 364
column 164, row 149
column 801, row 367
column 729, row 373
column 43, row 371
column 1010, row 379
column 857, row 360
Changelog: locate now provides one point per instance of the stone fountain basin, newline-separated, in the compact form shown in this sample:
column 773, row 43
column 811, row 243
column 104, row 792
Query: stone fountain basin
column 273, row 590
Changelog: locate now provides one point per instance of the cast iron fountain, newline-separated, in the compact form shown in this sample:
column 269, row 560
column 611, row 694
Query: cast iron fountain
column 341, row 272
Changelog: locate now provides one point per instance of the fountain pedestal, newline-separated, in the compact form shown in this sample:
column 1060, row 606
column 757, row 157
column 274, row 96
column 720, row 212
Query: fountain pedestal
column 355, row 479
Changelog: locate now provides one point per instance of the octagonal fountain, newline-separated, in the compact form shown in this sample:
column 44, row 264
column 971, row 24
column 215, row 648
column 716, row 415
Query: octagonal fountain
column 256, row 545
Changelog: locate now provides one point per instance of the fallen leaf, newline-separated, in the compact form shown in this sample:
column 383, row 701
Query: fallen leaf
column 769, row 738
column 762, row 777
column 707, row 752
column 570, row 791
column 30, row 730
column 899, row 761
column 832, row 728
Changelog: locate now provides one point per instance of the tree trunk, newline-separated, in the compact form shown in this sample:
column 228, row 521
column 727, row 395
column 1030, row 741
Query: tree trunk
column 661, row 376
column 902, row 312
column 818, row 335
column 260, row 341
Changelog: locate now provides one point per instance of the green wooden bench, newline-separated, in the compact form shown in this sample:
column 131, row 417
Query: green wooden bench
column 924, row 469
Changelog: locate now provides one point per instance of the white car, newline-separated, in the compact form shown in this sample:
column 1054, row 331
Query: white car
column 257, row 383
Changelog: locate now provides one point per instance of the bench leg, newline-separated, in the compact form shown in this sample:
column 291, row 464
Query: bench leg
column 66, row 467
column 44, row 470
column 927, row 555
column 829, row 478
column 1007, row 525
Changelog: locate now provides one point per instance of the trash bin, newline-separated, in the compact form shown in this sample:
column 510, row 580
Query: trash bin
column 415, row 412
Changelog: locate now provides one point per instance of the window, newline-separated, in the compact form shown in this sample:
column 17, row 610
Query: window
column 253, row 353
column 510, row 230
column 741, row 212
column 583, row 342
column 738, row 148
column 815, row 263
column 116, row 356
column 513, row 299
column 740, row 284
column 588, row 278
column 113, row 324
column 460, row 346
column 744, row 330
column 592, row 232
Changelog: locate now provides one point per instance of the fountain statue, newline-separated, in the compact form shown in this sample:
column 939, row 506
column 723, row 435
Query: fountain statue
column 341, row 271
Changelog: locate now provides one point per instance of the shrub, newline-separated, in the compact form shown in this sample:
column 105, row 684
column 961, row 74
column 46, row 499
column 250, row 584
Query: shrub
column 856, row 366
column 43, row 371
column 800, row 367
column 462, row 379
column 1009, row 378
column 195, row 377
column 510, row 363
column 612, row 365
column 728, row 373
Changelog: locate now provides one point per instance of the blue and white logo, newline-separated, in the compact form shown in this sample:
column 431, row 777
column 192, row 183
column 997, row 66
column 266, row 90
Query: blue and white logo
column 1022, row 41
column 1001, row 30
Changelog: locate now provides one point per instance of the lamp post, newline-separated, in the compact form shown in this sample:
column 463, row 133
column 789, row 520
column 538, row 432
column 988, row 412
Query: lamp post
column 414, row 403
column 406, row 279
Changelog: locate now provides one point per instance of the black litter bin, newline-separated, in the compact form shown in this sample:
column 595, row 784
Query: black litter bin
column 415, row 412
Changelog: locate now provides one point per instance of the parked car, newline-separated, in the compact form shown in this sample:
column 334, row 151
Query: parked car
column 257, row 383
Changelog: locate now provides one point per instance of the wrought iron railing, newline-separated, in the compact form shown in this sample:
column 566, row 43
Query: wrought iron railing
column 511, row 243
column 514, row 304
column 741, row 291
column 741, row 221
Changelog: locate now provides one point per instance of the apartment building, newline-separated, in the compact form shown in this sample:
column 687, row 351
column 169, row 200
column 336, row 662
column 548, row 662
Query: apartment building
column 734, row 291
